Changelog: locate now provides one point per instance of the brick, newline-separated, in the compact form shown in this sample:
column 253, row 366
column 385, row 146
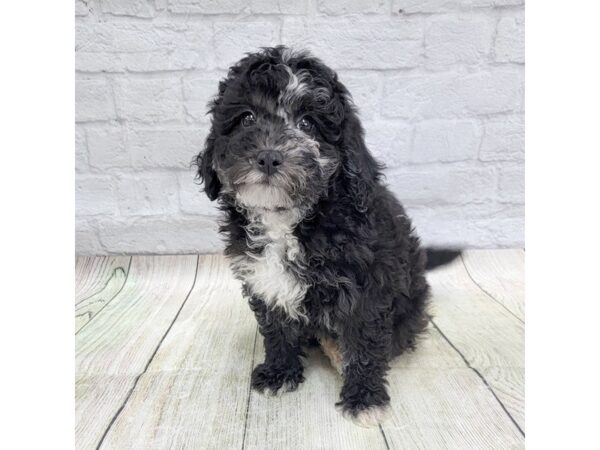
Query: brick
column 106, row 147
column 492, row 3
column 198, row 91
column 99, row 62
column 453, row 40
column 451, row 94
column 511, row 184
column 389, row 141
column 141, row 47
column 486, row 3
column 161, row 235
column 420, row 96
column 493, row 92
column 149, row 99
column 503, row 139
column 470, row 226
column 165, row 148
column 278, row 6
column 135, row 8
column 436, row 6
column 94, row 194
column 208, row 6
column 365, row 92
column 87, row 241
column 147, row 194
column 192, row 199
column 159, row 60
column 445, row 140
column 439, row 103
column 236, row 39
column 81, row 8
column 93, row 100
column 342, row 7
column 510, row 39
column 81, row 153
column 442, row 185
column 131, row 37
column 356, row 44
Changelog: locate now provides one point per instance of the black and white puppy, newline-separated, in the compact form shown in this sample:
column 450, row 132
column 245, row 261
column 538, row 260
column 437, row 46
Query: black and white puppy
column 324, row 250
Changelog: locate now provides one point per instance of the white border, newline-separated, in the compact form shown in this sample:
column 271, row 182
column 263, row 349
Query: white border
column 36, row 182
column 562, row 223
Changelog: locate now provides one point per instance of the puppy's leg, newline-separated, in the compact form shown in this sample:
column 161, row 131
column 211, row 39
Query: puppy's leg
column 365, row 348
column 282, row 369
column 332, row 351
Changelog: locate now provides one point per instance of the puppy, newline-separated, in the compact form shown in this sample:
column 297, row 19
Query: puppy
column 323, row 249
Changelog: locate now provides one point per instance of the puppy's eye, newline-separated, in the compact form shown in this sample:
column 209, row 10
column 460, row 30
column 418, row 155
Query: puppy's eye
column 305, row 125
column 248, row 119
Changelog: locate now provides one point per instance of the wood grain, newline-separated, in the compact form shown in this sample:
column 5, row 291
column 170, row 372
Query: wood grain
column 500, row 273
column 98, row 280
column 114, row 348
column 432, row 352
column 306, row 418
column 194, row 393
column 97, row 399
column 92, row 273
column 438, row 402
column 483, row 331
column 441, row 409
column 155, row 370
column 509, row 385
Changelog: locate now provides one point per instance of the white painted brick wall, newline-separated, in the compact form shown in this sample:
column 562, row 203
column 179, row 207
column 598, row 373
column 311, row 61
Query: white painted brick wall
column 439, row 85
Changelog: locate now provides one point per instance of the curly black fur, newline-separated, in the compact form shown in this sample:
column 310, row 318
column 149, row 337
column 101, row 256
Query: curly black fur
column 351, row 267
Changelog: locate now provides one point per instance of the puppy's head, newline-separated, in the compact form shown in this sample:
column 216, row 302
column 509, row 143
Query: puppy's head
column 283, row 127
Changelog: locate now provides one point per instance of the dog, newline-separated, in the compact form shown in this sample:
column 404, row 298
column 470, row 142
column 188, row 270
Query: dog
column 326, row 254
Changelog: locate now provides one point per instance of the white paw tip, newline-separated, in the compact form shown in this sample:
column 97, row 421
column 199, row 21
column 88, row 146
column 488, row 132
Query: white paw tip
column 286, row 387
column 370, row 417
column 268, row 392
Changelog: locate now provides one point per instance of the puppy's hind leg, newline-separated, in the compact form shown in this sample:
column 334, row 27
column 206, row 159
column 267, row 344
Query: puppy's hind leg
column 332, row 351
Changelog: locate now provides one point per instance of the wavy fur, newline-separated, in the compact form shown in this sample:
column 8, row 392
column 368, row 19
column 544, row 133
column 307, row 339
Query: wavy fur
column 336, row 259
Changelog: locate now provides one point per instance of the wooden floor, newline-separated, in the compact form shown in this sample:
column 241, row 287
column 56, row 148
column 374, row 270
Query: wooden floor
column 165, row 346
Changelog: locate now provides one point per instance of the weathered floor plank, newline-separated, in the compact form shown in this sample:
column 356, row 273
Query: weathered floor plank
column 433, row 352
column 306, row 418
column 115, row 347
column 438, row 402
column 161, row 367
column 98, row 281
column 509, row 385
column 484, row 333
column 194, row 392
column 446, row 409
column 97, row 399
column 501, row 274
column 92, row 273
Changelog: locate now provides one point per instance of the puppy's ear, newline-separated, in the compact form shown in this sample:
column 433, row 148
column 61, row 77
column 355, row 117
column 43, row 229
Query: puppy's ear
column 204, row 161
column 360, row 170
column 206, row 173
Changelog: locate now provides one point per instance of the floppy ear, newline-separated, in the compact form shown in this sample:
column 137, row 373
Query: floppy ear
column 206, row 173
column 204, row 161
column 360, row 170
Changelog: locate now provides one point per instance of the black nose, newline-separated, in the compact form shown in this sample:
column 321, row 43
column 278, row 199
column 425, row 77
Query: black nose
column 269, row 161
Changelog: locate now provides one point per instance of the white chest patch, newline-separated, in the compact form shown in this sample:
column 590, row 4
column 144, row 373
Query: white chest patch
column 268, row 274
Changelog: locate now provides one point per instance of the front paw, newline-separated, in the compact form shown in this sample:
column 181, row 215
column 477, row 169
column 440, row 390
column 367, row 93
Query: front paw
column 365, row 407
column 369, row 417
column 271, row 380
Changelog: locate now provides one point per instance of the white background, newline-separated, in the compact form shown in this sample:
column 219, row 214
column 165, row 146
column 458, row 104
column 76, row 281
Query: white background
column 36, row 187
column 439, row 85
